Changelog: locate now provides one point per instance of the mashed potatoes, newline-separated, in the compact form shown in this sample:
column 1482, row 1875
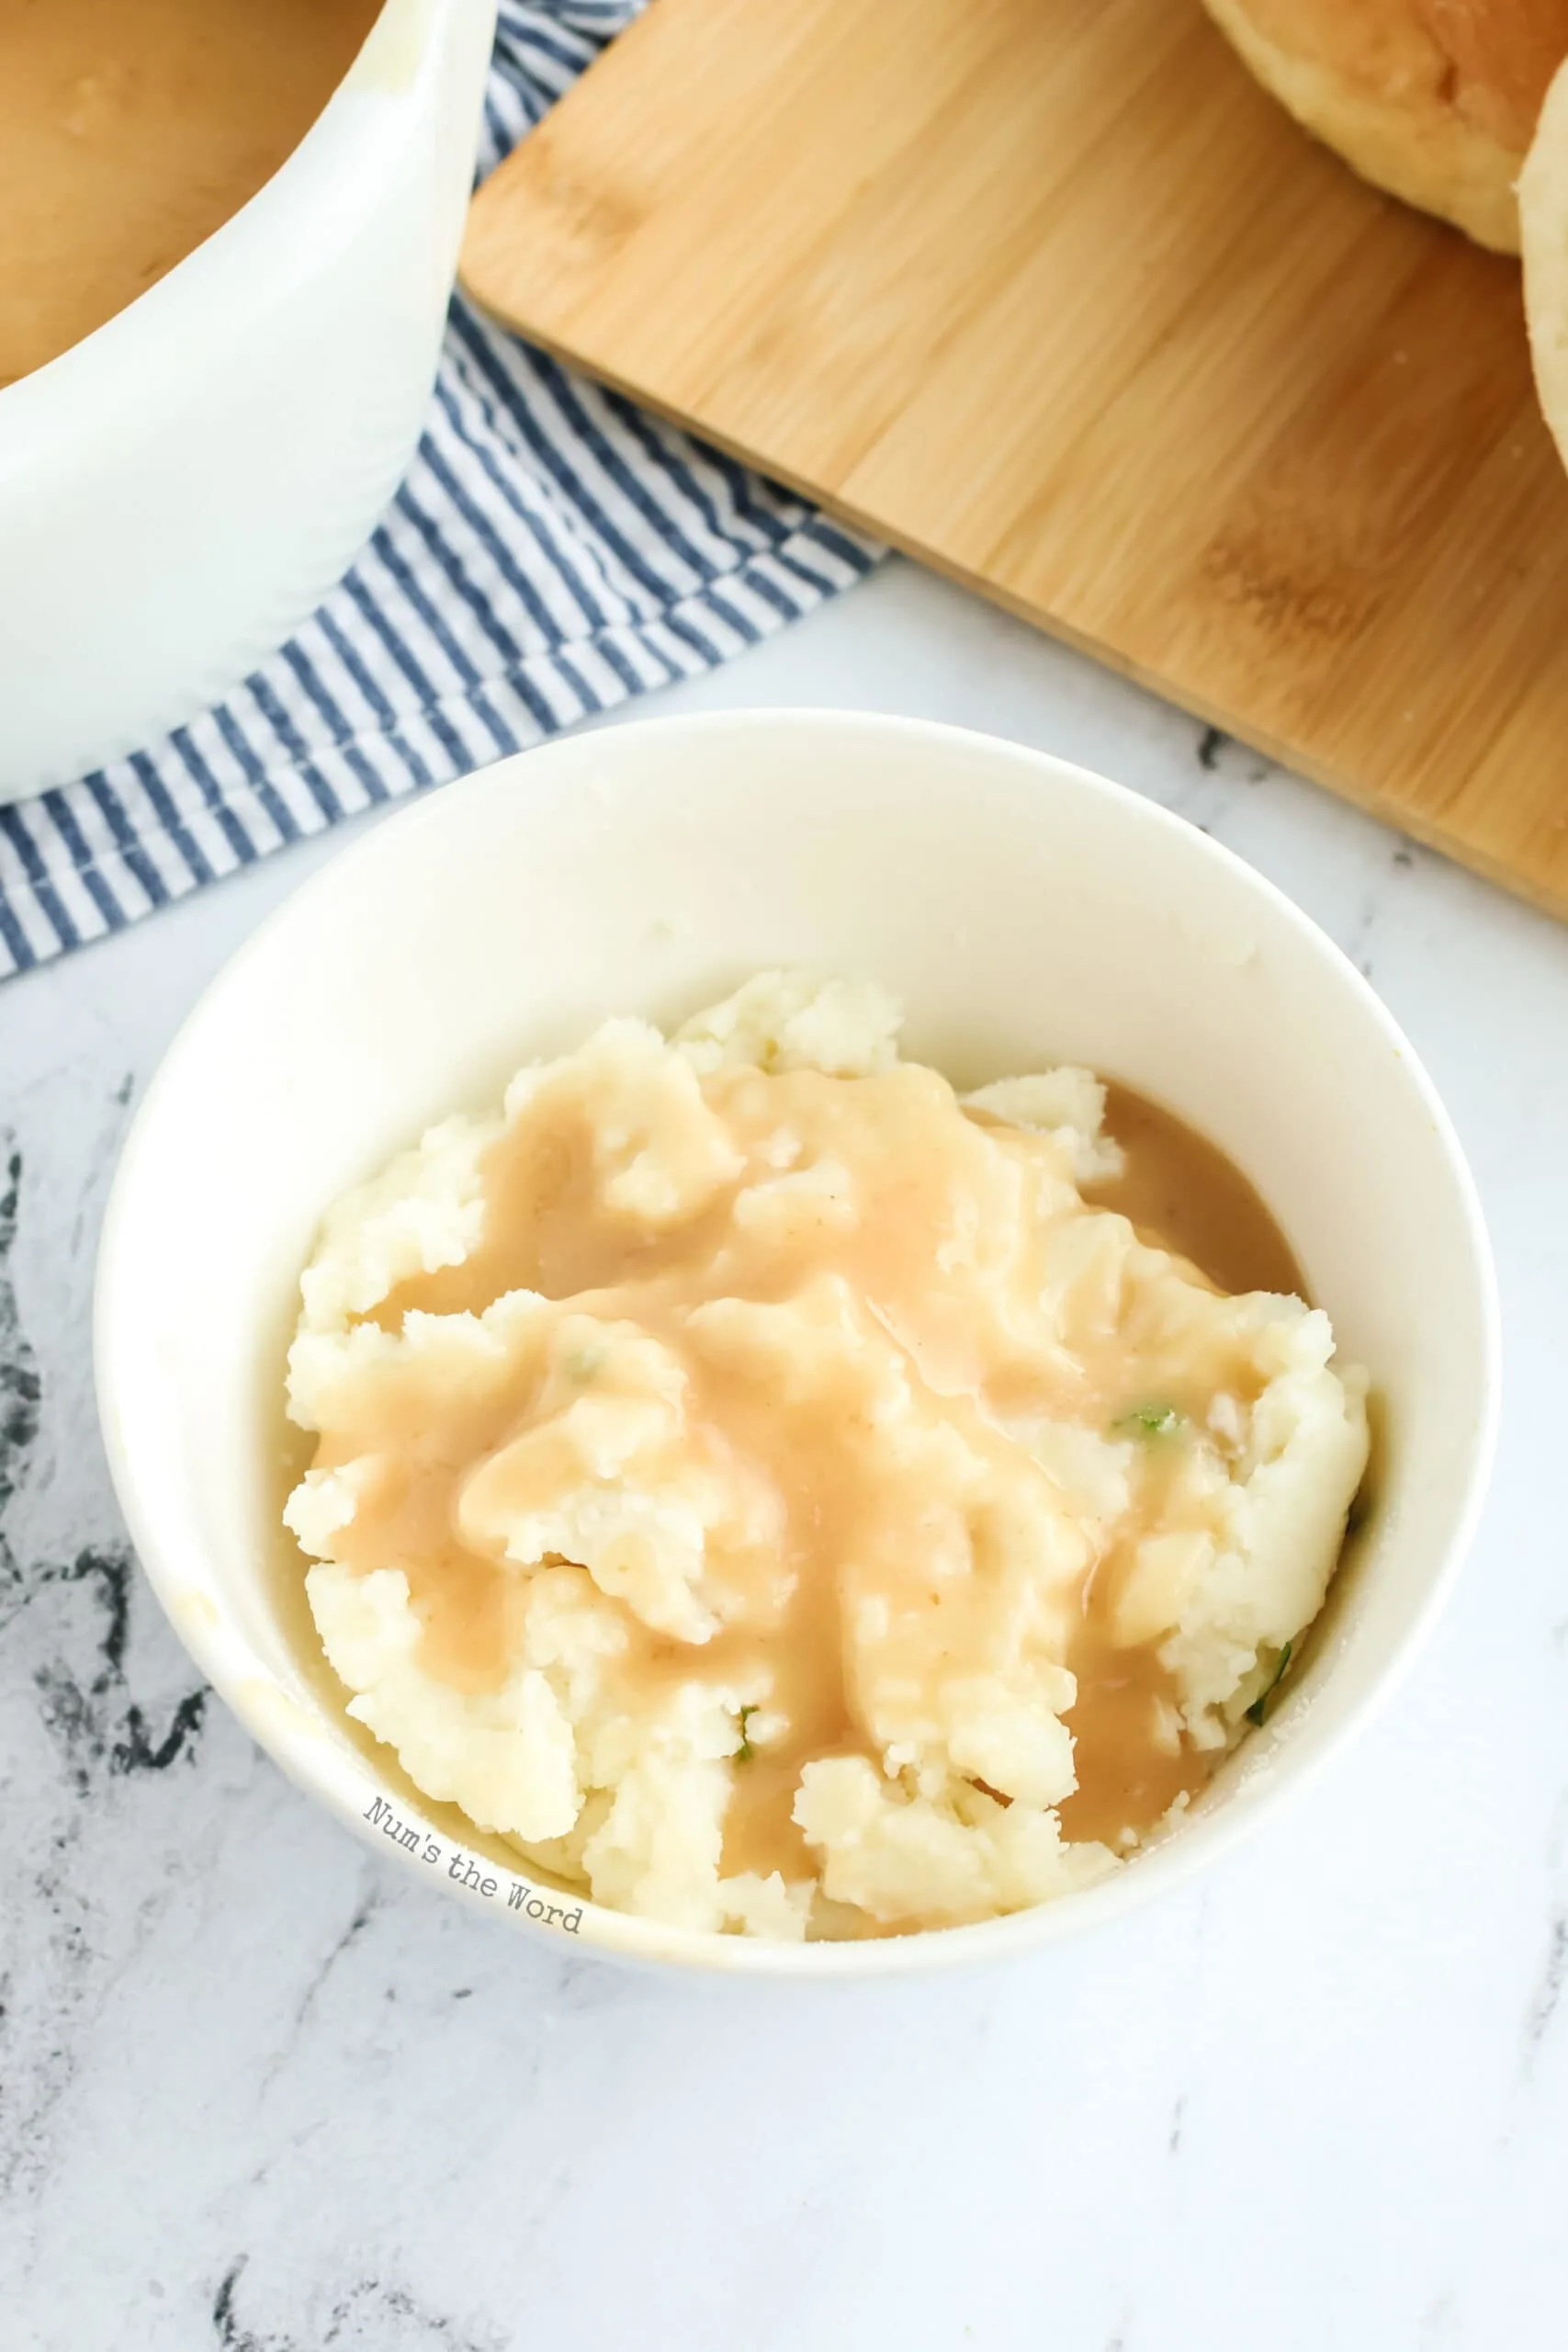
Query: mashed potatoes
column 761, row 1487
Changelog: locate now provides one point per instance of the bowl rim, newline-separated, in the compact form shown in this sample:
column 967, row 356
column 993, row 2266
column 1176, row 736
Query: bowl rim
column 621, row 1936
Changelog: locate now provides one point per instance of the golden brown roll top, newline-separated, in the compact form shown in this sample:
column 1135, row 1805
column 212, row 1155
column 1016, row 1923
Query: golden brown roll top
column 1434, row 101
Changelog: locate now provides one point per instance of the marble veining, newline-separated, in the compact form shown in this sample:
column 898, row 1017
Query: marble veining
column 258, row 2092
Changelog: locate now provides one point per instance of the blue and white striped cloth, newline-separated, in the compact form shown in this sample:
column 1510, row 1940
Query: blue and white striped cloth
column 551, row 552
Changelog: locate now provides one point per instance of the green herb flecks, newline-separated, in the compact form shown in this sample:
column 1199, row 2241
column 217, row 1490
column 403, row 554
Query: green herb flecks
column 1149, row 1420
column 1259, row 1707
column 745, row 1752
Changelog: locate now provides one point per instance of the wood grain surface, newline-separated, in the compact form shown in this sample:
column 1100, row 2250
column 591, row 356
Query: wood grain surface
column 1049, row 294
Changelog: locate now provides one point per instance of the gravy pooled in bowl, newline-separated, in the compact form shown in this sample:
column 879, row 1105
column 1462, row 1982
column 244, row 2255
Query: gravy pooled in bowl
column 781, row 1496
column 130, row 130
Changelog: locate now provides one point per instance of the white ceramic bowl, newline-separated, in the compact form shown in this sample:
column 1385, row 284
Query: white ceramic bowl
column 180, row 488
column 1024, row 909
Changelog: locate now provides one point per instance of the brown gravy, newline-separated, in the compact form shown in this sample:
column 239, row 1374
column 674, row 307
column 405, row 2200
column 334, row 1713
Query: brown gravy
column 1180, row 1189
column 1182, row 1192
column 545, row 1233
column 130, row 130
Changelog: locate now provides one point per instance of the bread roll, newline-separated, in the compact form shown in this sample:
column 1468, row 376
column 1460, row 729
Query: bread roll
column 1435, row 100
column 1543, row 218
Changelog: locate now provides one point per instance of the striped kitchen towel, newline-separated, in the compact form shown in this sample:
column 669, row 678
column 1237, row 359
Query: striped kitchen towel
column 551, row 552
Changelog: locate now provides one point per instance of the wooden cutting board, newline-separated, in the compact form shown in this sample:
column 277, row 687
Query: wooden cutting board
column 1049, row 294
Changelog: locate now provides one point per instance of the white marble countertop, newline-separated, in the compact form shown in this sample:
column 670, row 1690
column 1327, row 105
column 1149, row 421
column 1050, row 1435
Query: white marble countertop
column 260, row 2092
